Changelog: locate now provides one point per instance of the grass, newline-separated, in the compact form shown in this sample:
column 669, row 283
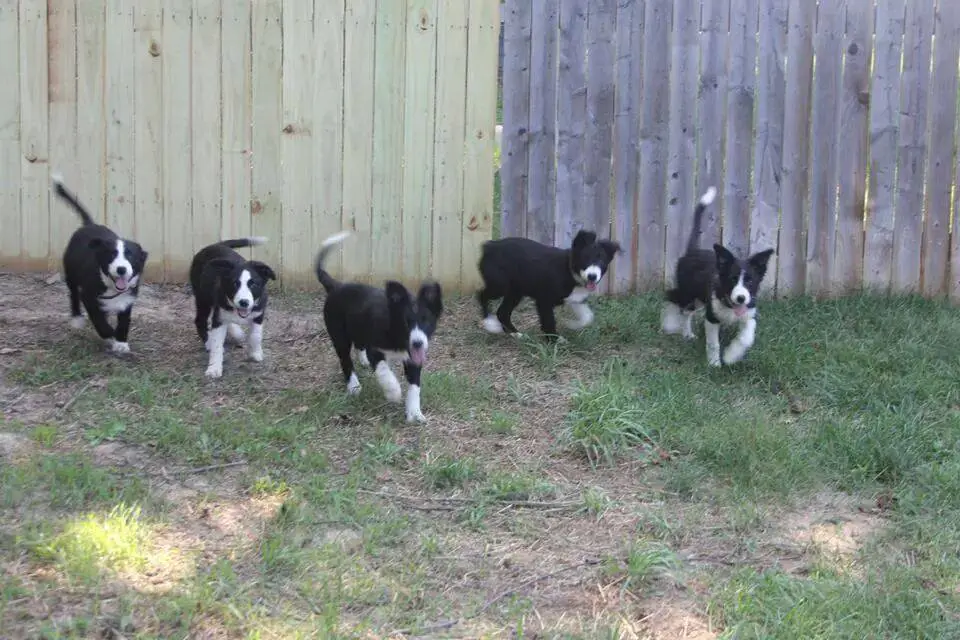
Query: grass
column 563, row 490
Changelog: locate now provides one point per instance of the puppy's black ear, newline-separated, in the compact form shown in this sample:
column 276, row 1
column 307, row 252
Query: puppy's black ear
column 758, row 261
column 397, row 294
column 583, row 239
column 610, row 247
column 265, row 271
column 431, row 297
column 219, row 266
column 725, row 259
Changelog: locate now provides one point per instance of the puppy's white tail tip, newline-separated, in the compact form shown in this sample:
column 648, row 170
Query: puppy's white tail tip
column 256, row 241
column 334, row 239
column 56, row 178
column 707, row 198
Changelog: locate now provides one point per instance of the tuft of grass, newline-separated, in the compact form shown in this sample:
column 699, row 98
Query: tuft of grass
column 518, row 487
column 65, row 482
column 45, row 435
column 444, row 472
column 644, row 563
column 502, row 423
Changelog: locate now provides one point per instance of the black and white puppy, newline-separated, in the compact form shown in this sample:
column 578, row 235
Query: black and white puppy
column 725, row 285
column 384, row 325
column 231, row 293
column 102, row 271
column 514, row 268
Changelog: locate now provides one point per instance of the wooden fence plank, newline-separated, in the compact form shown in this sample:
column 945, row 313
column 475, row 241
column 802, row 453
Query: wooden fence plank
column 912, row 145
column 884, row 130
column 266, row 205
column 542, row 131
column 571, row 120
column 10, row 138
column 296, row 145
column 91, row 117
column 626, row 151
column 681, row 165
column 847, row 275
column 62, row 42
column 419, row 117
column 791, row 249
column 601, row 91
column 741, row 102
column 940, row 174
column 483, row 40
column 236, row 115
column 654, row 119
column 711, row 111
column 448, row 144
column 390, row 91
column 205, row 121
column 121, row 111
column 148, row 140
column 768, row 157
column 514, row 157
column 34, row 135
column 821, row 222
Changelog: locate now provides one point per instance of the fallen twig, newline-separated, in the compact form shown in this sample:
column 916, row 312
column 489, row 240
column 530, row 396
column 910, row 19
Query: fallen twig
column 76, row 396
column 214, row 467
column 414, row 502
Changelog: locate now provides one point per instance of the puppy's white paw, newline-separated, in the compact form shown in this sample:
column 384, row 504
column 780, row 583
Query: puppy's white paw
column 214, row 371
column 732, row 355
column 714, row 361
column 77, row 322
column 561, row 340
column 670, row 320
column 517, row 335
column 257, row 356
column 416, row 416
column 362, row 357
column 118, row 347
column 353, row 385
column 688, row 334
column 491, row 324
column 392, row 392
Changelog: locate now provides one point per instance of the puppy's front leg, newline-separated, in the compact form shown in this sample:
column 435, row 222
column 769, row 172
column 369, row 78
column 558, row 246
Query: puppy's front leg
column 583, row 313
column 412, row 373
column 713, row 343
column 218, row 335
column 255, row 340
column 385, row 377
column 742, row 343
column 120, row 343
column 548, row 321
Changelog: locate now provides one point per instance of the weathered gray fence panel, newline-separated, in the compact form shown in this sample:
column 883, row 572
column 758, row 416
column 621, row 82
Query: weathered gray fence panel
column 571, row 120
column 542, row 183
column 601, row 92
column 711, row 110
column 516, row 116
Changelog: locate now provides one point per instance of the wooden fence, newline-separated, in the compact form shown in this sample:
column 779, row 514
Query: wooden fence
column 181, row 122
column 828, row 127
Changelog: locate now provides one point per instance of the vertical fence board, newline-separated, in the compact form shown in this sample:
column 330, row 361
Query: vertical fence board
column 34, row 134
column 266, row 206
column 62, row 42
column 205, row 121
column 940, row 174
column 148, row 140
column 236, row 114
column 296, row 143
column 448, row 143
column 912, row 145
column 571, row 120
column 790, row 266
column 847, row 276
column 89, row 183
column 483, row 42
column 542, row 131
column 121, row 96
column 601, row 91
column 419, row 116
column 10, row 138
column 626, row 151
column 389, row 93
column 884, row 129
column 711, row 111
column 741, row 102
column 654, row 119
column 768, row 157
column 517, row 36
column 683, row 121
column 821, row 222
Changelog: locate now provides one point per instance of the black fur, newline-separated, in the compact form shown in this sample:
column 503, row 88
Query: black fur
column 92, row 252
column 514, row 268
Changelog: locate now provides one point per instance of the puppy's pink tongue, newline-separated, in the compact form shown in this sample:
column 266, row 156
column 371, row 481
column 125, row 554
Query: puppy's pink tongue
column 591, row 286
column 418, row 357
column 740, row 311
column 121, row 284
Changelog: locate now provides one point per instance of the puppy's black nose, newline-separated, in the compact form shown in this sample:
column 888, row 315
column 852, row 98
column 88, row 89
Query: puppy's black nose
column 121, row 271
column 740, row 298
column 244, row 304
column 592, row 277
column 417, row 344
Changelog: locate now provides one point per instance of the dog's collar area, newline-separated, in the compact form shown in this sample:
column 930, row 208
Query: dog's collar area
column 116, row 295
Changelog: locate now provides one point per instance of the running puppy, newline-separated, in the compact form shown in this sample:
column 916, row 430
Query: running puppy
column 102, row 271
column 721, row 282
column 384, row 325
column 230, row 292
column 514, row 268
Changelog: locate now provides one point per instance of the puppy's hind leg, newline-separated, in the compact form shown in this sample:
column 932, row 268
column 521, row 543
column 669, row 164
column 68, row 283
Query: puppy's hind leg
column 671, row 318
column 236, row 334
column 490, row 322
column 76, row 316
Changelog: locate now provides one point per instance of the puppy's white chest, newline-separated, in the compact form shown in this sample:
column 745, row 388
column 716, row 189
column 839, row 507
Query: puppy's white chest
column 117, row 304
column 579, row 294
column 230, row 316
column 395, row 356
column 726, row 315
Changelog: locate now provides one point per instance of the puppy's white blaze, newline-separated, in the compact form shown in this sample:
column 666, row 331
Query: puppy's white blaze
column 417, row 335
column 492, row 325
column 254, row 342
column 388, row 382
column 740, row 290
column 709, row 196
column 593, row 270
column 414, row 414
column 353, row 385
column 243, row 292
column 120, row 261
column 335, row 239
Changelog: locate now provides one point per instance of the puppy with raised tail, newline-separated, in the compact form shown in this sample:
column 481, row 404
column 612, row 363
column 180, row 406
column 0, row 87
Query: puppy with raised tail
column 231, row 293
column 514, row 268
column 102, row 271
column 722, row 283
column 384, row 325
